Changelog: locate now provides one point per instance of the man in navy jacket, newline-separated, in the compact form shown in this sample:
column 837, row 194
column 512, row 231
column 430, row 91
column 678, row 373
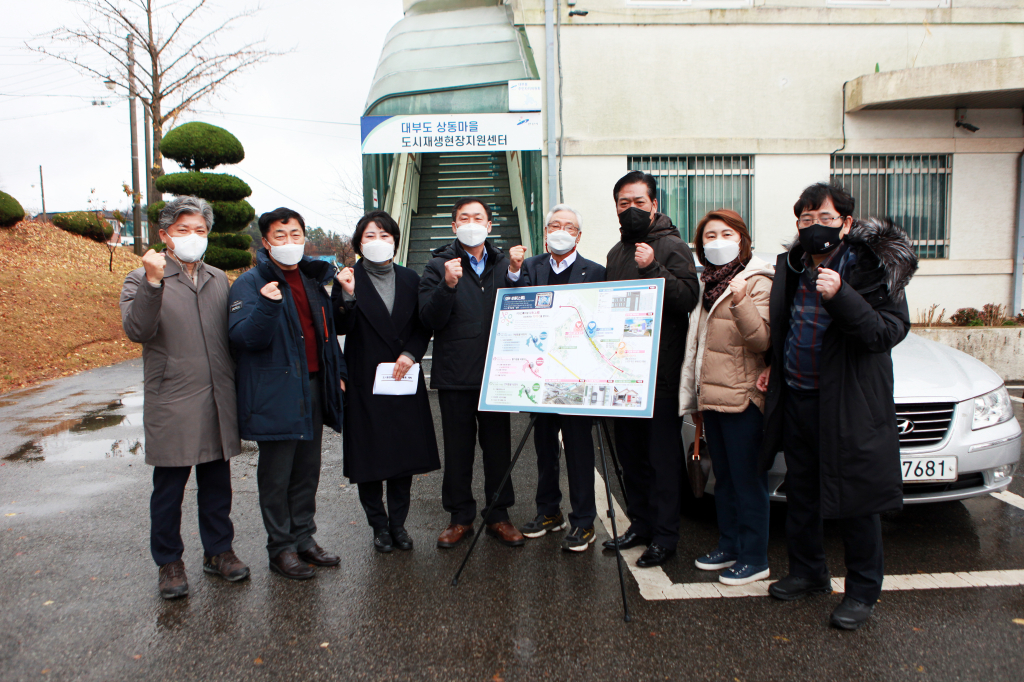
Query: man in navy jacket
column 560, row 265
column 290, row 378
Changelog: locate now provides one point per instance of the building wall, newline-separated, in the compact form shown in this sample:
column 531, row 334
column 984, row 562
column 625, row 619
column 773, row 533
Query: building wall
column 768, row 81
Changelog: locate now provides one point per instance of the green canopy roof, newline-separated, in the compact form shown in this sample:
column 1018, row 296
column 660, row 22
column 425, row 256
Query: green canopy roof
column 456, row 61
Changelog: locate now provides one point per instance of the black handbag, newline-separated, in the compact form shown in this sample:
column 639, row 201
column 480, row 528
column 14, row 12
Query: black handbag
column 697, row 467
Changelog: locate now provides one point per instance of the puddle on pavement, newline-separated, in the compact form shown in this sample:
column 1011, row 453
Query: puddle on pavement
column 109, row 431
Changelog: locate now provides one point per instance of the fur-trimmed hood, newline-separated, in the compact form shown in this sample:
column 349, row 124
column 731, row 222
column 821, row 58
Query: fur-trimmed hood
column 889, row 244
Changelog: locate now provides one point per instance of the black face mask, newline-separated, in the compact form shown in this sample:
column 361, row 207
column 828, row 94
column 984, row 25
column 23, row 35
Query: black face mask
column 634, row 224
column 819, row 239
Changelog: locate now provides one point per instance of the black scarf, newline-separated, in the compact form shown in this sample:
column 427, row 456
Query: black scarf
column 716, row 280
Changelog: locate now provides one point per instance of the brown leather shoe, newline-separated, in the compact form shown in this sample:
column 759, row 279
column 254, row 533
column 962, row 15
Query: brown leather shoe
column 505, row 533
column 318, row 557
column 288, row 565
column 453, row 534
column 227, row 566
column 173, row 583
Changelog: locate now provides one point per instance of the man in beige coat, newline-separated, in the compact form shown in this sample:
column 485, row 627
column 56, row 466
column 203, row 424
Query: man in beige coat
column 176, row 306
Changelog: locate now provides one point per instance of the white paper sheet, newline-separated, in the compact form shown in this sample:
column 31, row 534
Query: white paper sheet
column 385, row 384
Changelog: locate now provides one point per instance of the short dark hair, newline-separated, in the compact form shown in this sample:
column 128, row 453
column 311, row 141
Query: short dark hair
column 733, row 220
column 279, row 215
column 814, row 196
column 382, row 220
column 470, row 200
column 633, row 177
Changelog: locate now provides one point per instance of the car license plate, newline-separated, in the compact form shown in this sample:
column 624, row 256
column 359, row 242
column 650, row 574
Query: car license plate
column 929, row 469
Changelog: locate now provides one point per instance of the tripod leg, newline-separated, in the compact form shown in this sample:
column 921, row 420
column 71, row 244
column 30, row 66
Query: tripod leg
column 497, row 494
column 615, row 531
column 615, row 459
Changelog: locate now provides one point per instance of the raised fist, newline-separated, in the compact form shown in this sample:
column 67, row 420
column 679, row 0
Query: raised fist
column 154, row 263
column 644, row 255
column 347, row 279
column 271, row 291
column 515, row 256
column 453, row 272
column 738, row 287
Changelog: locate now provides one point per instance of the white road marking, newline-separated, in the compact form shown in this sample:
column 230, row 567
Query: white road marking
column 655, row 585
column 1010, row 498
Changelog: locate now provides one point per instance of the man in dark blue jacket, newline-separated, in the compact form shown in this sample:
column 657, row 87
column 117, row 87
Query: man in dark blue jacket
column 290, row 378
column 457, row 293
column 560, row 265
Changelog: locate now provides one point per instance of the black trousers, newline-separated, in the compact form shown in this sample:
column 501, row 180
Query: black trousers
column 651, row 454
column 461, row 424
column 214, row 498
column 371, row 496
column 578, row 439
column 288, row 475
column 862, row 535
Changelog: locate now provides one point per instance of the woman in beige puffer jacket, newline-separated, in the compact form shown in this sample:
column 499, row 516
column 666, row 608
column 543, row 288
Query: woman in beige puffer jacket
column 725, row 347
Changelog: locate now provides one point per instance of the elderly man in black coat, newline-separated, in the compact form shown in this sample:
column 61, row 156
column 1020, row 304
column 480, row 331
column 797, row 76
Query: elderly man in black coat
column 837, row 309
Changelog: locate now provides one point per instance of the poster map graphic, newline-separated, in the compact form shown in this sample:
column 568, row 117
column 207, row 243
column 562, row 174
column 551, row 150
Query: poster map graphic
column 578, row 349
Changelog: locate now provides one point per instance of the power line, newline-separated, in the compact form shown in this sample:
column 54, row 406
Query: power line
column 280, row 118
column 48, row 113
column 322, row 216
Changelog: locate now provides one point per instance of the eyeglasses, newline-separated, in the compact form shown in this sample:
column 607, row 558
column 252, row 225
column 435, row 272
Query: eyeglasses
column 568, row 227
column 826, row 220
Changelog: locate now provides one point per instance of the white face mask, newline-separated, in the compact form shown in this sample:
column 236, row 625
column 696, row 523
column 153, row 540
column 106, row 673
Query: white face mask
column 287, row 254
column 189, row 248
column 378, row 251
column 721, row 251
column 560, row 242
column 471, row 234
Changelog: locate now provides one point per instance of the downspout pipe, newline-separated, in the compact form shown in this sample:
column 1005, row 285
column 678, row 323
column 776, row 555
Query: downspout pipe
column 1018, row 256
column 549, row 63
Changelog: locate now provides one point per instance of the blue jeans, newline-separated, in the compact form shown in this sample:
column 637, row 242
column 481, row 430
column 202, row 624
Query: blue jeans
column 741, row 490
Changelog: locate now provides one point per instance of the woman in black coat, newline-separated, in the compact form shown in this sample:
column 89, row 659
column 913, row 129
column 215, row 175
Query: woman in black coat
column 387, row 437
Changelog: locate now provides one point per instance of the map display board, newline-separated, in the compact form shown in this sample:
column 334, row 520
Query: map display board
column 577, row 349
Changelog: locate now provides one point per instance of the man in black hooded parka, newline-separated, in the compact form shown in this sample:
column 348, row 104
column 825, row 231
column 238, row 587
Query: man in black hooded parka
column 837, row 309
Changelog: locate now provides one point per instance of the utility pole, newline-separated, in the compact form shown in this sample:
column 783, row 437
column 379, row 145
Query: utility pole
column 147, row 130
column 42, row 192
column 136, row 208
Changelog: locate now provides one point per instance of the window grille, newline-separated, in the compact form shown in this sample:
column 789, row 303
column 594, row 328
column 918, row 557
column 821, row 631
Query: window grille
column 912, row 189
column 690, row 186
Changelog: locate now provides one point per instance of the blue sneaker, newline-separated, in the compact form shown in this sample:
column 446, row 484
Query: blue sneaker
column 741, row 574
column 715, row 561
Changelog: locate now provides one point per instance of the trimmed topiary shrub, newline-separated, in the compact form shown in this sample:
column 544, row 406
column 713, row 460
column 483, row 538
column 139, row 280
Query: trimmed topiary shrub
column 197, row 146
column 11, row 212
column 231, row 240
column 85, row 224
column 153, row 212
column 210, row 186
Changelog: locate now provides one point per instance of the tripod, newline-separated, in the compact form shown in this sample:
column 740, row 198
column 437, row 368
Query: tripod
column 611, row 508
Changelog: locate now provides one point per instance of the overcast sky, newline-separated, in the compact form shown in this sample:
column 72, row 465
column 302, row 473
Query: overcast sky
column 47, row 118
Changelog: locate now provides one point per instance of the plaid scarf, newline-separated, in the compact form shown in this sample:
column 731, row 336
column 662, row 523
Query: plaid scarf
column 716, row 280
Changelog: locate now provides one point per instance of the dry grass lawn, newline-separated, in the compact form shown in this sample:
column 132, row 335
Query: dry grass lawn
column 58, row 305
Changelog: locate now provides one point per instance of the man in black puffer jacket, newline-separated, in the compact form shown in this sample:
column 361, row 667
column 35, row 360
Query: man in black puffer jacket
column 457, row 293
column 651, row 449
column 837, row 309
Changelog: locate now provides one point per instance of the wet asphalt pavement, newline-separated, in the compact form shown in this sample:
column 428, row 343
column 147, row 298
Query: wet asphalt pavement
column 78, row 598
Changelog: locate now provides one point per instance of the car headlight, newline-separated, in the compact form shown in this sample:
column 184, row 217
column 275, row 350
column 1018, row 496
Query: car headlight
column 992, row 408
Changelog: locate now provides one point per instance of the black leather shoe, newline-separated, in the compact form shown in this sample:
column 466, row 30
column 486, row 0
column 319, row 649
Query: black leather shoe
column 288, row 565
column 654, row 555
column 794, row 587
column 400, row 538
column 627, row 540
column 382, row 540
column 318, row 557
column 850, row 614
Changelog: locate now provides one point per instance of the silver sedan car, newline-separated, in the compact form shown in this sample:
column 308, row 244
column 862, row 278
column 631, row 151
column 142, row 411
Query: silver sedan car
column 958, row 435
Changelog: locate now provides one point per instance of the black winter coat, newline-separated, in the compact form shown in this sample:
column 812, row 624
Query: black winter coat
column 860, row 446
column 386, row 436
column 673, row 261
column 272, row 378
column 460, row 317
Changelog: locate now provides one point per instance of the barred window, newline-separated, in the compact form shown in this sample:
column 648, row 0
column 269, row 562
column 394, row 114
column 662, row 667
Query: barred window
column 912, row 189
column 690, row 186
